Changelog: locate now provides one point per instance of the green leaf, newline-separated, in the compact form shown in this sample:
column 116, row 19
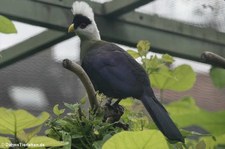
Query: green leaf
column 143, row 47
column 208, row 142
column 181, row 78
column 186, row 113
column 153, row 64
column 58, row 111
column 220, row 139
column 83, row 100
column 73, row 107
column 26, row 120
column 201, row 145
column 4, row 142
column 66, row 138
column 43, row 141
column 133, row 53
column 128, row 102
column 23, row 136
column 139, row 139
column 12, row 121
column 167, row 58
column 6, row 26
column 99, row 144
column 218, row 77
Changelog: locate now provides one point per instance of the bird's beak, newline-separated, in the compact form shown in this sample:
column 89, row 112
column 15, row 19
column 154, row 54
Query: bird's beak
column 71, row 28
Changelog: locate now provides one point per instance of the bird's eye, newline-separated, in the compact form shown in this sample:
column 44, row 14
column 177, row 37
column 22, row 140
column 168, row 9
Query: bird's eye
column 83, row 25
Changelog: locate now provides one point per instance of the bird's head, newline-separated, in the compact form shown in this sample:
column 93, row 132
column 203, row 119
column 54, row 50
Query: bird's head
column 83, row 22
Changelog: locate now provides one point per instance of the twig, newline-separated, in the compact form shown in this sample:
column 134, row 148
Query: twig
column 78, row 70
column 213, row 59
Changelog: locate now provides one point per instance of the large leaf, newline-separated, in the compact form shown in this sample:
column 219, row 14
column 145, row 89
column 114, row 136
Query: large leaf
column 42, row 141
column 139, row 139
column 26, row 136
column 180, row 79
column 4, row 142
column 12, row 121
column 218, row 77
column 185, row 113
column 6, row 26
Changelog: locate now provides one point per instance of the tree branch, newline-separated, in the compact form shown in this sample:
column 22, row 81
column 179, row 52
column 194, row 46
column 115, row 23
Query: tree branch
column 213, row 59
column 78, row 70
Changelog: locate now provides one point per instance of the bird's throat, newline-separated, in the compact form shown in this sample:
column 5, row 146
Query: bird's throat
column 86, row 46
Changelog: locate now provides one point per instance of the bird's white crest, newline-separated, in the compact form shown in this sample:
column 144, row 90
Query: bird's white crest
column 82, row 8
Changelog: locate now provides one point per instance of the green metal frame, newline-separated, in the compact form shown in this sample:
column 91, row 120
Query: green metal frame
column 117, row 22
column 31, row 46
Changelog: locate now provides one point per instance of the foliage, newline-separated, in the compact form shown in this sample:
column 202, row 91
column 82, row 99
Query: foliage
column 80, row 129
column 14, row 125
column 180, row 78
column 185, row 113
column 217, row 75
column 137, row 140
column 134, row 115
column 6, row 26
column 161, row 74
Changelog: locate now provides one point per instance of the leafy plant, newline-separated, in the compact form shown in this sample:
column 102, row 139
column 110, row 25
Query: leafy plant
column 14, row 125
column 161, row 73
column 185, row 113
column 6, row 26
column 80, row 129
column 134, row 115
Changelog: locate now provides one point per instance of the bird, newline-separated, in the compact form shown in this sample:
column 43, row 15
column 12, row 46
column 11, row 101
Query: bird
column 114, row 72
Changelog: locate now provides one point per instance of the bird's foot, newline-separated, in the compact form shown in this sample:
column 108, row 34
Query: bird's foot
column 113, row 112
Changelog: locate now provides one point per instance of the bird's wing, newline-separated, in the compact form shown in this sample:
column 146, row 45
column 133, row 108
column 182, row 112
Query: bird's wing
column 112, row 70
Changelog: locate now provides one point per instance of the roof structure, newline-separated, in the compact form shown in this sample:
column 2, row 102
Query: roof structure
column 124, row 22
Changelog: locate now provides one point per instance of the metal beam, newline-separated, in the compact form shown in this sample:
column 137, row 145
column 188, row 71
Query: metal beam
column 161, row 41
column 98, row 8
column 35, row 13
column 113, row 8
column 165, row 35
column 116, row 8
column 31, row 46
column 174, row 27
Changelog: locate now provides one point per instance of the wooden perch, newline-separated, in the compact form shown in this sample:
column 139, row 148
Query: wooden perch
column 78, row 70
column 213, row 59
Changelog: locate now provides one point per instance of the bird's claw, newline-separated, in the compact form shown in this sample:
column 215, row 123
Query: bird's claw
column 113, row 112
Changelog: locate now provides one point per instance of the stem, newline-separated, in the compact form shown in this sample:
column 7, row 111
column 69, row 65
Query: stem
column 15, row 130
column 84, row 144
column 53, row 128
column 78, row 70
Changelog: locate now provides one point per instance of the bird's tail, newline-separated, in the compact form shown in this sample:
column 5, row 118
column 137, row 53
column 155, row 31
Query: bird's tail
column 160, row 116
